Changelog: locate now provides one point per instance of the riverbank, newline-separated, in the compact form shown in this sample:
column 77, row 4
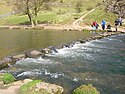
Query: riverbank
column 24, row 86
column 57, row 27
column 29, row 86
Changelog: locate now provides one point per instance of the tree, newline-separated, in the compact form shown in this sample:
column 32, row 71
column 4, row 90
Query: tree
column 116, row 6
column 30, row 8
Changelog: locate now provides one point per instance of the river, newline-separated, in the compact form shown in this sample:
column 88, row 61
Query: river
column 98, row 62
column 16, row 41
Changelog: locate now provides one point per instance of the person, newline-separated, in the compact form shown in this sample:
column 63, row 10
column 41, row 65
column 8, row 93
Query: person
column 120, row 21
column 95, row 25
column 103, row 24
column 116, row 24
column 109, row 28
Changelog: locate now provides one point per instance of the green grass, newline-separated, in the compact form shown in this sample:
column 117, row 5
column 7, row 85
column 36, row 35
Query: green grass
column 29, row 88
column 99, row 14
column 86, row 89
column 7, row 78
column 15, row 19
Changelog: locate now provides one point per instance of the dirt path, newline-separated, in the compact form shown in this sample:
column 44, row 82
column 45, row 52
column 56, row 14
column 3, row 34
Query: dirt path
column 14, row 87
column 7, row 14
column 77, row 22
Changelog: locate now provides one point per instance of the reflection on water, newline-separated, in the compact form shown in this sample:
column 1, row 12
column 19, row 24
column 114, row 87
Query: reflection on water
column 99, row 62
column 16, row 41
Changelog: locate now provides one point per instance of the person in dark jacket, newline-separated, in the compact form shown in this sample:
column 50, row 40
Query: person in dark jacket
column 116, row 24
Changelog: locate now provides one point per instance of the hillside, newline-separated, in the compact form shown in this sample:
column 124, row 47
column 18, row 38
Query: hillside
column 59, row 13
column 4, row 8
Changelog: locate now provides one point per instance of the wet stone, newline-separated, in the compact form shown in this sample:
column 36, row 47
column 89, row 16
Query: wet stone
column 33, row 54
column 82, row 41
column 46, row 51
column 66, row 45
column 19, row 57
column 53, row 49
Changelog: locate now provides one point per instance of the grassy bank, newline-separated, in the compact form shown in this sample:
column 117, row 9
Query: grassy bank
column 60, row 13
column 100, row 14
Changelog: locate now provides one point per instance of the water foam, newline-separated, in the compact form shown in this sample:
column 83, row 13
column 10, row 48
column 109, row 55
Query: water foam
column 39, row 60
column 39, row 72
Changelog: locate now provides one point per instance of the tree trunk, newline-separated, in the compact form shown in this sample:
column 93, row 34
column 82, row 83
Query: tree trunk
column 29, row 13
column 35, row 20
column 32, row 23
column 31, row 20
column 29, row 17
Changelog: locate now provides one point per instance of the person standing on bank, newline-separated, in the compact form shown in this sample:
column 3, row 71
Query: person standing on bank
column 103, row 24
column 116, row 24
column 120, row 21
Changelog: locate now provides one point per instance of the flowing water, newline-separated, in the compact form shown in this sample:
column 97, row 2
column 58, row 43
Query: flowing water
column 99, row 62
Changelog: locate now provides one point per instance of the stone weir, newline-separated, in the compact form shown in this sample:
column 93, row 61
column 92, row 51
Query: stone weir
column 11, row 60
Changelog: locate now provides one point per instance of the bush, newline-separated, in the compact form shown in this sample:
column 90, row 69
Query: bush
column 84, row 89
column 8, row 78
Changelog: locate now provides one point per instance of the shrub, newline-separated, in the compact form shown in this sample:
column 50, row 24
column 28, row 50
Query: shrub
column 86, row 89
column 8, row 78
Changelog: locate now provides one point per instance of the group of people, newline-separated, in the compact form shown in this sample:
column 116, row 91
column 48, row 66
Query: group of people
column 104, row 24
column 95, row 25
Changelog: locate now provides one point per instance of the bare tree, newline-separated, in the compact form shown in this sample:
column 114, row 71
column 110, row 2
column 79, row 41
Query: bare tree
column 116, row 6
column 30, row 8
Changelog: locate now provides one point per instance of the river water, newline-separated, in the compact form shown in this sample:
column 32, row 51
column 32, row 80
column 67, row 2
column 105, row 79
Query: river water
column 99, row 62
column 17, row 41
